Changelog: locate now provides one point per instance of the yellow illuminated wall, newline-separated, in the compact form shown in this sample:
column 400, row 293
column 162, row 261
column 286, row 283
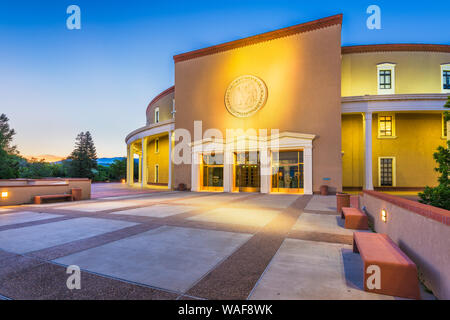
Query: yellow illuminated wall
column 418, row 137
column 415, row 72
column 160, row 158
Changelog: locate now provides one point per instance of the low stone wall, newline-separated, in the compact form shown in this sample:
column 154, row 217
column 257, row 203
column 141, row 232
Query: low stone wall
column 22, row 191
column 421, row 231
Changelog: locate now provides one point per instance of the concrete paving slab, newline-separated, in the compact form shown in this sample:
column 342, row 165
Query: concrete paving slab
column 97, row 206
column 212, row 200
column 306, row 270
column 167, row 257
column 156, row 211
column 239, row 216
column 322, row 203
column 24, row 216
column 271, row 201
column 321, row 223
column 47, row 235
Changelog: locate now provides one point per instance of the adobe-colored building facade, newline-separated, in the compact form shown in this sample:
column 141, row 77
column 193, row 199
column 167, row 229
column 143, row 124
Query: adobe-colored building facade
column 291, row 110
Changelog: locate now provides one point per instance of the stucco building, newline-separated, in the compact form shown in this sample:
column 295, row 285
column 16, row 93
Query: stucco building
column 347, row 117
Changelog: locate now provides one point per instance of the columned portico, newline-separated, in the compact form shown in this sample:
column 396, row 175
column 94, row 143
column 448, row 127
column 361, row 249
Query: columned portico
column 368, row 179
column 224, row 173
column 154, row 145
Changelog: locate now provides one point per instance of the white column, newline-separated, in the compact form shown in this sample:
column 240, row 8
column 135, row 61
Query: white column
column 266, row 169
column 144, row 163
column 228, row 171
column 128, row 164
column 131, row 168
column 308, row 168
column 195, row 172
column 169, row 184
column 140, row 169
column 368, row 179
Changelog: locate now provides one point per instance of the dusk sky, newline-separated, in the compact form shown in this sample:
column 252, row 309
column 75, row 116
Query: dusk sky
column 55, row 82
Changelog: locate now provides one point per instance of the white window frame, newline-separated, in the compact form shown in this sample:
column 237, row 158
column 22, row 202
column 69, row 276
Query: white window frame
column 156, row 173
column 157, row 145
column 157, row 115
column 388, row 67
column 394, row 171
column 394, row 132
column 444, row 67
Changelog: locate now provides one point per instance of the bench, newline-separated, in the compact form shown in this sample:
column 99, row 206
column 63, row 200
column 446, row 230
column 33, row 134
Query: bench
column 398, row 274
column 355, row 219
column 38, row 199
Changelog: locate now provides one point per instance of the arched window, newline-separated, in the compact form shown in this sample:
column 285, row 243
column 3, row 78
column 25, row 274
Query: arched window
column 157, row 115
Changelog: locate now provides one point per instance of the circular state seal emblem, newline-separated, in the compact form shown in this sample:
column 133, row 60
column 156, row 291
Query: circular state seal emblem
column 245, row 96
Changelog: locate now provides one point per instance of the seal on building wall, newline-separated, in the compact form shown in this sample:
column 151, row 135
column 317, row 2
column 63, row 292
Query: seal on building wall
column 245, row 96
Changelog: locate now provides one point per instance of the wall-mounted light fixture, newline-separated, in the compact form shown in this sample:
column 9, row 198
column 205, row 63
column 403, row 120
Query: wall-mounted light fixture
column 384, row 215
column 123, row 181
column 4, row 194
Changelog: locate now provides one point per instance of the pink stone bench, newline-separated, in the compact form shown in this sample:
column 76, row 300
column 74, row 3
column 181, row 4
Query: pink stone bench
column 355, row 219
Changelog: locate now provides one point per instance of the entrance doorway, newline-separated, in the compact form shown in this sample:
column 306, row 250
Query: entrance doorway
column 247, row 177
column 212, row 172
column 287, row 172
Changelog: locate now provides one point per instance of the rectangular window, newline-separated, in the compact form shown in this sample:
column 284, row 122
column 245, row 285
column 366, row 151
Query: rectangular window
column 156, row 145
column 446, row 79
column 157, row 115
column 288, row 171
column 212, row 172
column 385, row 126
column 387, row 172
column 385, row 79
column 156, row 173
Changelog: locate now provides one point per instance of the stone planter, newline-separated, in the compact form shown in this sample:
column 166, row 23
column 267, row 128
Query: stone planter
column 342, row 201
column 323, row 190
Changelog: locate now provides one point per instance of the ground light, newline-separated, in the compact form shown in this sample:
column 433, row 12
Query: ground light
column 384, row 215
column 4, row 194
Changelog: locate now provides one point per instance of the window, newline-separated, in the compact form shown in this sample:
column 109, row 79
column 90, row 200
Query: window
column 445, row 78
column 212, row 172
column 386, row 78
column 386, row 126
column 156, row 173
column 157, row 115
column 386, row 171
column 288, row 171
column 156, row 145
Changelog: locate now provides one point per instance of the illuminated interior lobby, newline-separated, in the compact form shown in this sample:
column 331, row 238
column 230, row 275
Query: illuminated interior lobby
column 352, row 118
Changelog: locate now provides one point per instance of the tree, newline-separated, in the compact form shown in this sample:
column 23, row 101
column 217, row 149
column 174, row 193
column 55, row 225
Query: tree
column 6, row 135
column 83, row 159
column 118, row 169
column 440, row 196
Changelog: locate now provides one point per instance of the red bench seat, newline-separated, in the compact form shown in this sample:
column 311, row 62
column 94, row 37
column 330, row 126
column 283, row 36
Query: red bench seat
column 355, row 219
column 397, row 272
column 38, row 199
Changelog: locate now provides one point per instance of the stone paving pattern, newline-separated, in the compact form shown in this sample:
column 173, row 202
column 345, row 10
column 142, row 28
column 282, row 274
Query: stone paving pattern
column 180, row 245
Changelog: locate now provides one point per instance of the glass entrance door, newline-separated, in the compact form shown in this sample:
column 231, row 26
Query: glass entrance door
column 247, row 172
column 287, row 172
column 212, row 172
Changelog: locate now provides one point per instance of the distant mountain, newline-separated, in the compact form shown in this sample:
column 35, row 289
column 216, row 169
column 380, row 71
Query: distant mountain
column 107, row 161
column 45, row 157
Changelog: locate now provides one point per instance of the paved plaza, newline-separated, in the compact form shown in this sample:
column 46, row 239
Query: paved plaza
column 181, row 245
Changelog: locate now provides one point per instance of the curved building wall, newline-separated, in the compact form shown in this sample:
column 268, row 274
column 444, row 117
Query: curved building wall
column 415, row 72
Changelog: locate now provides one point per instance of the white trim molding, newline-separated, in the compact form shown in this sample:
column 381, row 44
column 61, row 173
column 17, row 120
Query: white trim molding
column 394, row 103
column 444, row 67
column 150, row 130
column 386, row 66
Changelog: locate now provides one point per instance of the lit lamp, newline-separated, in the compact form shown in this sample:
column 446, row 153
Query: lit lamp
column 123, row 180
column 4, row 194
column 384, row 215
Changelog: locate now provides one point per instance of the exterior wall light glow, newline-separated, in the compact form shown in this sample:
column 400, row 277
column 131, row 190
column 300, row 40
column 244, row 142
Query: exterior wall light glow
column 384, row 215
column 123, row 180
column 4, row 194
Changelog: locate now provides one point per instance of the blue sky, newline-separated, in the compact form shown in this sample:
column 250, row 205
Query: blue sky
column 56, row 82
